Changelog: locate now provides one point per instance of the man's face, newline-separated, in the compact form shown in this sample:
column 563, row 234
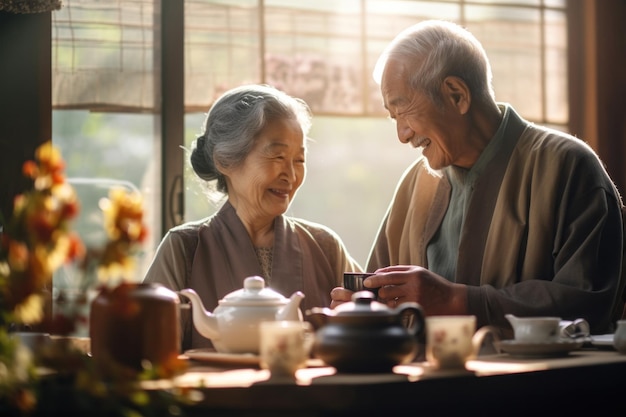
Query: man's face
column 419, row 121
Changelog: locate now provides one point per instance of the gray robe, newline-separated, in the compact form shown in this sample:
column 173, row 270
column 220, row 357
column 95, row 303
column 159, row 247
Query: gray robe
column 214, row 255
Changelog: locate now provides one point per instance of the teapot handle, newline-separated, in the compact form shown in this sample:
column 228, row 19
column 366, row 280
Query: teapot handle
column 412, row 317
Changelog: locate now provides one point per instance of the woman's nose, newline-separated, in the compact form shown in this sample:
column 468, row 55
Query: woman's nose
column 290, row 170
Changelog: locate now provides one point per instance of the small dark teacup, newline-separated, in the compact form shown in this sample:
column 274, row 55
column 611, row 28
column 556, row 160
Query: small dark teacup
column 353, row 281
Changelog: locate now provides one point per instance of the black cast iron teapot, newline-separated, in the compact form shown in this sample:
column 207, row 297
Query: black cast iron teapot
column 365, row 336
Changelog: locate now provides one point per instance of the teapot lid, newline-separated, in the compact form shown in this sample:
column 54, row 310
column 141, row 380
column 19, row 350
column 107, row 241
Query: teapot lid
column 363, row 304
column 254, row 292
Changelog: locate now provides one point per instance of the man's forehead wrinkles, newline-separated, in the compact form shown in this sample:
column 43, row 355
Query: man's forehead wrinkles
column 396, row 102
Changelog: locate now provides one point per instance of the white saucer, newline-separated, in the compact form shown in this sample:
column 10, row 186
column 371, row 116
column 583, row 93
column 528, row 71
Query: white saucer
column 210, row 355
column 559, row 347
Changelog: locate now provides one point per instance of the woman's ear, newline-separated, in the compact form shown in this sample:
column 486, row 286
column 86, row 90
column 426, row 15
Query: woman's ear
column 220, row 168
column 456, row 92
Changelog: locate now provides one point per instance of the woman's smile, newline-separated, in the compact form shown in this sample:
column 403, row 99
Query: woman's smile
column 283, row 193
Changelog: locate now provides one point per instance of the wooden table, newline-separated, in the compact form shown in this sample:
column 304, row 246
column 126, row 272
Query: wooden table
column 587, row 381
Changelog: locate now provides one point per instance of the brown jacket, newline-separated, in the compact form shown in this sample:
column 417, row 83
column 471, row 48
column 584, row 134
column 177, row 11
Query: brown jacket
column 542, row 233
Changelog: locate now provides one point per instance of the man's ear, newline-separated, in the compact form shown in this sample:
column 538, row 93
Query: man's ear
column 456, row 92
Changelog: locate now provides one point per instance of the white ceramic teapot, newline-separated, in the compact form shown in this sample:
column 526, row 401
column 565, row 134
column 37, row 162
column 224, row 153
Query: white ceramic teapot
column 233, row 327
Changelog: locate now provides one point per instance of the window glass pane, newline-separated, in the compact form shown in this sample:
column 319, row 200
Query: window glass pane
column 353, row 166
column 555, row 3
column 221, row 49
column 197, row 203
column 343, row 6
column 512, row 39
column 375, row 102
column 315, row 55
column 102, row 151
column 557, row 109
column 391, row 16
column 105, row 150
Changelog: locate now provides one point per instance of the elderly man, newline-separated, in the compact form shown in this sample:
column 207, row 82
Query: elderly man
column 497, row 215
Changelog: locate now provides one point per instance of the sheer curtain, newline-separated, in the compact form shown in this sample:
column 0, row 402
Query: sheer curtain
column 103, row 55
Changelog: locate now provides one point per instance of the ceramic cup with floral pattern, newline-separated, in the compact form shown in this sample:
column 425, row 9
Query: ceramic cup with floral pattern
column 285, row 346
column 453, row 340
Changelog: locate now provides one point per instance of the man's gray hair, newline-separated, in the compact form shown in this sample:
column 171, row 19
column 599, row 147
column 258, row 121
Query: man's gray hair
column 436, row 49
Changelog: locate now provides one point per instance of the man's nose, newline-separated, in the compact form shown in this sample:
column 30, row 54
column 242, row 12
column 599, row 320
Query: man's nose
column 405, row 133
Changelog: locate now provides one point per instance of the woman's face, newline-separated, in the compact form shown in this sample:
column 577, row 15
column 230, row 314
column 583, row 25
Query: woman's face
column 266, row 183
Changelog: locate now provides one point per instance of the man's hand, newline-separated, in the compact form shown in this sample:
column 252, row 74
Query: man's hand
column 340, row 295
column 398, row 284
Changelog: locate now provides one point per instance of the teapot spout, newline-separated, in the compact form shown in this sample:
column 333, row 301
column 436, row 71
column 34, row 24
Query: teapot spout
column 204, row 321
column 291, row 311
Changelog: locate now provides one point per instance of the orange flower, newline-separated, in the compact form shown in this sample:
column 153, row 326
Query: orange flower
column 123, row 215
column 35, row 242
column 76, row 248
column 38, row 240
column 123, row 223
column 30, row 169
column 24, row 399
column 18, row 255
column 51, row 166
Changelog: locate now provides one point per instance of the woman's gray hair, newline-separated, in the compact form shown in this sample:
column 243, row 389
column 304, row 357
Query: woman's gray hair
column 234, row 122
column 436, row 49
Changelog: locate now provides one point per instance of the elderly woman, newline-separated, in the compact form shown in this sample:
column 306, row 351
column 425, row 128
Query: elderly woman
column 253, row 150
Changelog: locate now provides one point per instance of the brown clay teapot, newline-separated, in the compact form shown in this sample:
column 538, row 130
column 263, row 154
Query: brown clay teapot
column 366, row 336
column 133, row 323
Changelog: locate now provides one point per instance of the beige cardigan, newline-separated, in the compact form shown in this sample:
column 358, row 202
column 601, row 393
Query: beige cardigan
column 542, row 234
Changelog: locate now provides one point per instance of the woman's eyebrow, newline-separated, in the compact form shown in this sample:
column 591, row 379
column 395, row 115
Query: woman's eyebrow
column 275, row 145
